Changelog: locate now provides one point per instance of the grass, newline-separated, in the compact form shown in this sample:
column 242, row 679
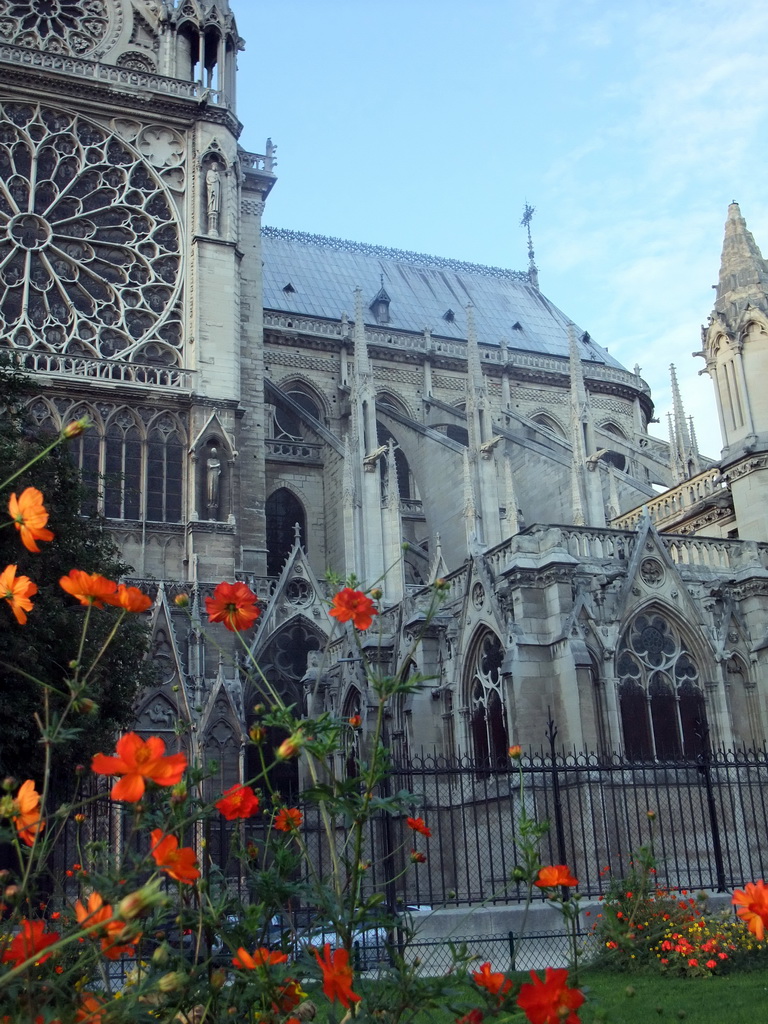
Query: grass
column 617, row 998
column 636, row 999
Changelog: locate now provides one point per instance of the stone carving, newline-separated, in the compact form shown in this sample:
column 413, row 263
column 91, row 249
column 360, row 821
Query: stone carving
column 651, row 572
column 213, row 197
column 212, row 483
column 135, row 61
column 160, row 714
column 89, row 243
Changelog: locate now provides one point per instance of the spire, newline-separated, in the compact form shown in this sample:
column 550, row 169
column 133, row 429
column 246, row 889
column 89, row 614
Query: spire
column 685, row 459
column 743, row 271
column 475, row 379
column 362, row 363
column 510, row 497
column 533, row 270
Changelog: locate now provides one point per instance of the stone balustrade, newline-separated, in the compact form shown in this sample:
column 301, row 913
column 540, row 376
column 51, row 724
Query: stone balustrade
column 676, row 501
column 107, row 370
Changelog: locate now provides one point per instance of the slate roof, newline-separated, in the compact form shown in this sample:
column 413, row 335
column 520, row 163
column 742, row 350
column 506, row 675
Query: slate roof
column 313, row 275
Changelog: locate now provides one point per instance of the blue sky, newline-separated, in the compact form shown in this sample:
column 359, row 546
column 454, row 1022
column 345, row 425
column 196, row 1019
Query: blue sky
column 427, row 126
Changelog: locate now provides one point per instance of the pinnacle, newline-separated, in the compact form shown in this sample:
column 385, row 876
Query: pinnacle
column 743, row 271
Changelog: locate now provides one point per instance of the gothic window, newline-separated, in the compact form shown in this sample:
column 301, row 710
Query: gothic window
column 403, row 470
column 85, row 450
column 743, row 706
column 662, row 708
column 165, row 458
column 122, row 469
column 283, row 512
column 284, row 664
column 90, row 248
column 487, row 715
column 288, row 425
column 351, row 736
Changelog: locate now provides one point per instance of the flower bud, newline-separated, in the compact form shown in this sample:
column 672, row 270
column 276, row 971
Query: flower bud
column 519, row 874
column 290, row 748
column 179, row 793
column 138, row 903
column 417, row 857
column 181, row 600
column 257, row 733
column 515, row 752
column 172, row 982
column 218, row 979
column 79, row 818
column 651, row 815
column 355, row 721
column 76, row 427
column 377, row 593
column 161, row 955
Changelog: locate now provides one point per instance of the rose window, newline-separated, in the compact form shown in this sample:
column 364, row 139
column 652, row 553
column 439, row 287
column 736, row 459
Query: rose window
column 90, row 252
column 58, row 26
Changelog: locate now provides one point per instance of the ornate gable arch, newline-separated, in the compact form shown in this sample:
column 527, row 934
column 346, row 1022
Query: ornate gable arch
column 483, row 698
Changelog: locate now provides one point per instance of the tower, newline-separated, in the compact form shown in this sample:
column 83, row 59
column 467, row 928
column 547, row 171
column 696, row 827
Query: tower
column 735, row 346
column 129, row 245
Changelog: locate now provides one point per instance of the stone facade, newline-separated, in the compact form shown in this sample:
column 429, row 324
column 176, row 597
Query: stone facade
column 268, row 404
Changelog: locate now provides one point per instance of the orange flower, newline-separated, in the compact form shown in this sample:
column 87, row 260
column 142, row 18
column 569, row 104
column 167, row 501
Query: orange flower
column 288, row 819
column 28, row 821
column 88, row 588
column 238, row 802
column 114, row 942
column 29, row 516
column 90, row 1010
column 355, row 721
column 550, row 1001
column 418, row 825
column 17, row 590
column 32, row 939
column 515, row 752
column 136, row 761
column 234, row 605
column 554, row 875
column 178, row 862
column 495, row 982
column 130, row 598
column 262, row 957
column 752, row 906
column 289, row 994
column 337, row 975
column 355, row 606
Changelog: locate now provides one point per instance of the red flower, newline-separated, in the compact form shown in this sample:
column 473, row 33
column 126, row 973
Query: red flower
column 238, row 802
column 261, row 958
column 355, row 721
column 136, row 761
column 418, row 825
column 289, row 994
column 130, row 598
column 234, row 605
column 550, row 1001
column 17, row 590
column 495, row 982
column 554, row 875
column 355, row 606
column 337, row 975
column 473, row 1017
column 91, row 1009
column 29, row 517
column 288, row 819
column 32, row 939
column 28, row 821
column 179, row 863
column 88, row 588
column 752, row 906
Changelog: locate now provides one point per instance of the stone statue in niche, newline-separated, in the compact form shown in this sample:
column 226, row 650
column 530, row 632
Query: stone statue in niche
column 213, row 483
column 213, row 197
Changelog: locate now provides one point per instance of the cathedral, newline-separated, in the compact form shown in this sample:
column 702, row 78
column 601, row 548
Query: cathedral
column 268, row 404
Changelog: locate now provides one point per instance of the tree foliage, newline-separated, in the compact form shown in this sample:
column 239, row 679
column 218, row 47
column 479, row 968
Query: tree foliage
column 46, row 645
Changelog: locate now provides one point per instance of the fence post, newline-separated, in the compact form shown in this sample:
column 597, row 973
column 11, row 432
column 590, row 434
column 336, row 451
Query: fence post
column 705, row 769
column 557, row 808
column 511, row 951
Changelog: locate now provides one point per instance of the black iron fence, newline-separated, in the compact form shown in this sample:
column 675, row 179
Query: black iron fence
column 709, row 827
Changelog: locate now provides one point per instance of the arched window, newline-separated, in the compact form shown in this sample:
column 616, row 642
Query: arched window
column 487, row 716
column 122, row 469
column 165, row 455
column 284, row 664
column 288, row 425
column 351, row 736
column 549, row 424
column 663, row 715
column 384, row 436
column 85, row 450
column 283, row 511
